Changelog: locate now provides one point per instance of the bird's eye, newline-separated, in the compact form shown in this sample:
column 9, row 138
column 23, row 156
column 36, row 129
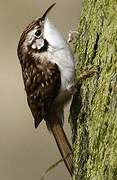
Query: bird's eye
column 38, row 33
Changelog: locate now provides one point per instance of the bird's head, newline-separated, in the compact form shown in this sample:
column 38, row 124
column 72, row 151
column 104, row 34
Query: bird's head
column 39, row 35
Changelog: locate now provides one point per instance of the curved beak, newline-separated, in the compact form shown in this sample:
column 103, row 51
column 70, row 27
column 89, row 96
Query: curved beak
column 47, row 11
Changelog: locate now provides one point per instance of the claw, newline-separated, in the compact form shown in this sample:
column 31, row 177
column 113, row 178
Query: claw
column 72, row 35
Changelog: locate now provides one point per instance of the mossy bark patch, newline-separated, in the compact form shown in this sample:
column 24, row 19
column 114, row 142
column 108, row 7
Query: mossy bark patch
column 94, row 107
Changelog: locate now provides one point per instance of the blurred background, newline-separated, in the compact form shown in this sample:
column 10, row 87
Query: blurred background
column 25, row 153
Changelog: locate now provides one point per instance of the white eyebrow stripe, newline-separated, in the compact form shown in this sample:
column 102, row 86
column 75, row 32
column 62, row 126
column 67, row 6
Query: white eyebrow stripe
column 36, row 27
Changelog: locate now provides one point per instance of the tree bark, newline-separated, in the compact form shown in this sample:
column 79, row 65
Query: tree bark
column 94, row 107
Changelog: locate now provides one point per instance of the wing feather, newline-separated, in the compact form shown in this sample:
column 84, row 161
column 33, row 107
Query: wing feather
column 42, row 84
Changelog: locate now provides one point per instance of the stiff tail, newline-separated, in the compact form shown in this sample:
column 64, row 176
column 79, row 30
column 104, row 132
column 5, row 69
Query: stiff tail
column 62, row 141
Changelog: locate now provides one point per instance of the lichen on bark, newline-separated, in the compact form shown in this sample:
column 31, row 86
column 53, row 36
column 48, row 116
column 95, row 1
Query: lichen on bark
column 94, row 106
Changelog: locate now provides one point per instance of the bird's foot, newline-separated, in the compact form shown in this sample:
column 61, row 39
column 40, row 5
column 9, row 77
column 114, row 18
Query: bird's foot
column 87, row 73
column 72, row 35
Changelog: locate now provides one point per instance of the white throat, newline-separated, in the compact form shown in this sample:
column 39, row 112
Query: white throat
column 53, row 36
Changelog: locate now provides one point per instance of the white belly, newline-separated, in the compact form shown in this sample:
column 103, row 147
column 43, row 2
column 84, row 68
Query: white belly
column 64, row 59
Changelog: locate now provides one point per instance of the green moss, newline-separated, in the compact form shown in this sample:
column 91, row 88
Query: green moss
column 95, row 109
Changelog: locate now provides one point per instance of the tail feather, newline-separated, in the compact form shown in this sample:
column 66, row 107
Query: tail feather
column 65, row 149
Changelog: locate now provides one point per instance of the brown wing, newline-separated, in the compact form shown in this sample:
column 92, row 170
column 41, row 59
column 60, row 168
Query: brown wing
column 42, row 84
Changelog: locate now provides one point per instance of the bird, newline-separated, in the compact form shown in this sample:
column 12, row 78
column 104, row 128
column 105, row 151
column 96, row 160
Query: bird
column 48, row 71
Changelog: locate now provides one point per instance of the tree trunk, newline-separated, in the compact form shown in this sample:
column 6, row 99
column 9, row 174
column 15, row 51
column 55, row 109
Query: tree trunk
column 94, row 106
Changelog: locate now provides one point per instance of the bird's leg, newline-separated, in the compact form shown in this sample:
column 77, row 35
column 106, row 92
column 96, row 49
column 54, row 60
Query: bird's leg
column 86, row 74
column 82, row 77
